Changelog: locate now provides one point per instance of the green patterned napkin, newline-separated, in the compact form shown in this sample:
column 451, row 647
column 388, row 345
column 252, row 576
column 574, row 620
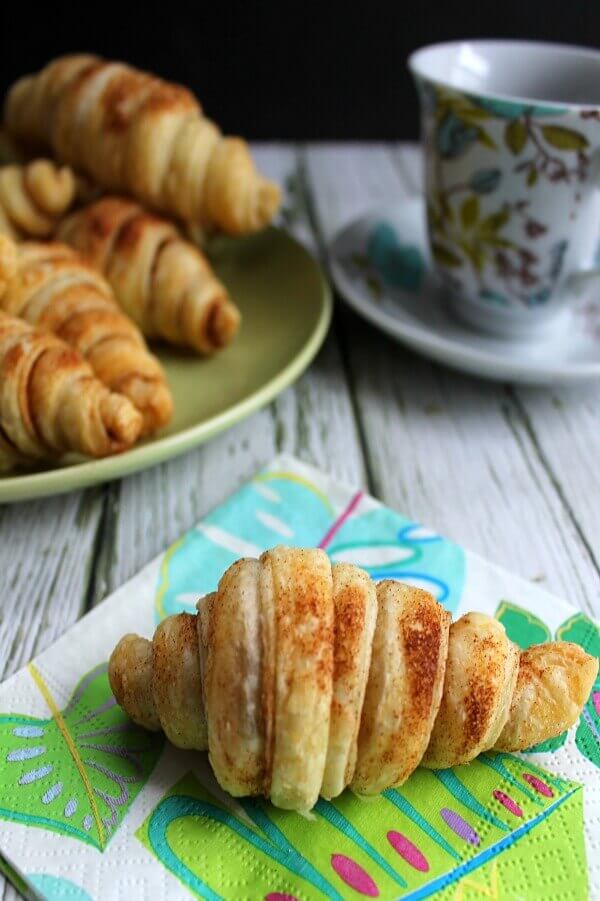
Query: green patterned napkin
column 91, row 806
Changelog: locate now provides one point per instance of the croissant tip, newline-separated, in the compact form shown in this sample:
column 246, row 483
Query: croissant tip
column 123, row 423
column 159, row 411
column 268, row 201
column 223, row 324
column 152, row 399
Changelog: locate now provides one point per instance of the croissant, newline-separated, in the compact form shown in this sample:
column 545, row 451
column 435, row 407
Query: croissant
column 54, row 290
column 133, row 133
column 302, row 678
column 33, row 197
column 8, row 261
column 164, row 283
column 51, row 404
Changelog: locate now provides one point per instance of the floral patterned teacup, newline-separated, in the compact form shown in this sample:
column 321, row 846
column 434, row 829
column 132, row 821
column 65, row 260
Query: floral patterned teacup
column 511, row 134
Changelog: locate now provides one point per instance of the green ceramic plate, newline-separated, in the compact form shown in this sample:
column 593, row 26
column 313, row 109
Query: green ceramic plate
column 286, row 308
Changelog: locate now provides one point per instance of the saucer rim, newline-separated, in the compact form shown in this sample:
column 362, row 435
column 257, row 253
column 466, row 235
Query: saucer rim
column 430, row 343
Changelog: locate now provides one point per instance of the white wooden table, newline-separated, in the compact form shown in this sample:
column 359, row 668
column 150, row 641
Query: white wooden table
column 512, row 473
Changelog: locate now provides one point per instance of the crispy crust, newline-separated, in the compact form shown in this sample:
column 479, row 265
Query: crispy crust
column 55, row 290
column 294, row 658
column 404, row 688
column 355, row 615
column 553, row 684
column 50, row 402
column 130, row 677
column 303, row 602
column 8, row 262
column 481, row 673
column 163, row 282
column 33, row 197
column 175, row 682
column 133, row 133
column 232, row 680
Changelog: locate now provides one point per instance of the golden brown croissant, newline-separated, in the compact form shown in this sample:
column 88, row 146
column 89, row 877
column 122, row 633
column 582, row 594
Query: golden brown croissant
column 33, row 197
column 51, row 404
column 302, row 678
column 133, row 133
column 164, row 283
column 53, row 289
column 8, row 261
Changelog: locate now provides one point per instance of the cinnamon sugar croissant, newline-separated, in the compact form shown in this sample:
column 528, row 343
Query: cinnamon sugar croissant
column 133, row 133
column 164, row 283
column 302, row 678
column 33, row 197
column 53, row 289
column 51, row 404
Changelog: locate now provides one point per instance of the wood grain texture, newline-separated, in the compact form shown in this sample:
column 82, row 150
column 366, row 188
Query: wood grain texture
column 453, row 452
column 78, row 549
column 46, row 549
column 510, row 473
column 563, row 424
column 313, row 419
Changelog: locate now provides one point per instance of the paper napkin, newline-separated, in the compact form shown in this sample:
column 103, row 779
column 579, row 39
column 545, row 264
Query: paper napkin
column 93, row 807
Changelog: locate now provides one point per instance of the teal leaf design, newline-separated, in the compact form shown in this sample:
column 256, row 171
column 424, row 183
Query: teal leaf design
column 400, row 265
column 584, row 632
column 551, row 744
column 77, row 772
column 525, row 629
column 455, row 136
column 522, row 626
column 494, row 297
column 411, row 840
column 485, row 181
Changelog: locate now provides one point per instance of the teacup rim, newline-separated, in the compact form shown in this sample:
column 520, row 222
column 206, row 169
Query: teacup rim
column 417, row 71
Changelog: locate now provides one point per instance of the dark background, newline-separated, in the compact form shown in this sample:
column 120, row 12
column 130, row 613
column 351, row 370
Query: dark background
column 284, row 70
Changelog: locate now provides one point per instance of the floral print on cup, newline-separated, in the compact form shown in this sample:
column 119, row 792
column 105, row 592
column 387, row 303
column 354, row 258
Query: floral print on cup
column 507, row 194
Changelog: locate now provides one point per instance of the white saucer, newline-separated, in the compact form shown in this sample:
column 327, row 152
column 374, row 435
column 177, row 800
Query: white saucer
column 381, row 266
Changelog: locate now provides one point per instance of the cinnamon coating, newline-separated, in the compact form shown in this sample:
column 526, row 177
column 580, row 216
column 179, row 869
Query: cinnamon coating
column 51, row 404
column 133, row 133
column 164, row 283
column 311, row 678
column 53, row 289
column 33, row 197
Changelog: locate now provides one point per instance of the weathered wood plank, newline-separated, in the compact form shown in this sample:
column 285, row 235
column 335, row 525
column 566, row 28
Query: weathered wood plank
column 46, row 550
column 447, row 450
column 144, row 513
column 313, row 419
column 563, row 424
